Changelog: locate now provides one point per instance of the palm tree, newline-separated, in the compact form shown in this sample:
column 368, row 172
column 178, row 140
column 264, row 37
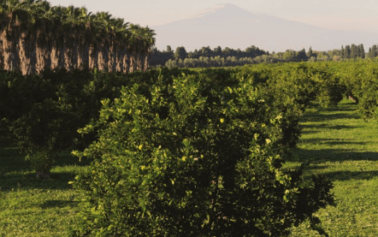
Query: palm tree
column 150, row 43
column 37, row 9
column 101, row 53
column 126, row 52
column 54, row 39
column 83, row 38
column 68, row 36
column 13, row 16
column 105, row 43
column 24, row 21
column 119, row 27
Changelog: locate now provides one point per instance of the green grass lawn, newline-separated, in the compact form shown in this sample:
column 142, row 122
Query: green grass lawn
column 343, row 147
column 34, row 207
column 336, row 141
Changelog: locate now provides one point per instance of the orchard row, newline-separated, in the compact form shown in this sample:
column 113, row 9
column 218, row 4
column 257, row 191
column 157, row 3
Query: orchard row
column 183, row 152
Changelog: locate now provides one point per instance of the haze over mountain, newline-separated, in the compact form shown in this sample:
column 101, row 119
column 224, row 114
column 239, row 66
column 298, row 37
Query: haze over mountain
column 230, row 26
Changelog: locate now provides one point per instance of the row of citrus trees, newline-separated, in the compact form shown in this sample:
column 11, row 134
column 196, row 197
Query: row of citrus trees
column 182, row 152
column 35, row 35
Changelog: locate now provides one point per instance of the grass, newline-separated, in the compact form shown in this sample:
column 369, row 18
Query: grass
column 337, row 142
column 343, row 147
column 34, row 207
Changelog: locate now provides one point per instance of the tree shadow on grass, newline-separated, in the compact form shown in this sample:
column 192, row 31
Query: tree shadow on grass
column 317, row 159
column 59, row 204
column 327, row 126
column 342, row 111
column 351, row 175
column 58, row 181
column 17, row 172
column 331, row 155
column 320, row 117
column 330, row 142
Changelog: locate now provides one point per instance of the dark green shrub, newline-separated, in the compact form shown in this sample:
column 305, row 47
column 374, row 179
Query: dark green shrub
column 196, row 155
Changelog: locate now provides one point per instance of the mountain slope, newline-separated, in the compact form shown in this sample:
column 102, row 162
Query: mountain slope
column 230, row 26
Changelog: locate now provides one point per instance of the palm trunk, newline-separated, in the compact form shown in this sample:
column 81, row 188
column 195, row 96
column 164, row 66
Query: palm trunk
column 40, row 51
column 111, row 55
column 7, row 57
column 23, row 54
column 132, row 62
column 10, row 41
column 105, row 53
column 61, row 57
column 16, row 35
column 147, row 60
column 101, row 57
column 80, row 47
column 32, row 47
column 119, row 57
column 1, row 55
column 82, row 53
column 74, row 55
column 57, row 52
column 139, row 57
column 68, row 46
column 9, row 49
column 93, row 56
column 126, row 59
column 54, row 55
column 86, row 56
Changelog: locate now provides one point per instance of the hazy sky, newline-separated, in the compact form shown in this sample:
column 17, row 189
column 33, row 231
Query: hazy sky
column 332, row 14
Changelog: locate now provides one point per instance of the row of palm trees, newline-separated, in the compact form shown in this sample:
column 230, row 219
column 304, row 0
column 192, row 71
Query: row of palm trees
column 35, row 35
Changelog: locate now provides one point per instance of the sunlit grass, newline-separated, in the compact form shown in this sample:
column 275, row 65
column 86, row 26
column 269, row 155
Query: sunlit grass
column 34, row 207
column 343, row 147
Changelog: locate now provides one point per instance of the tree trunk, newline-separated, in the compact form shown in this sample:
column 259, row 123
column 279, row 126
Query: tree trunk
column 146, row 61
column 82, row 53
column 102, row 65
column 68, row 46
column 1, row 55
column 119, row 57
column 74, row 54
column 32, row 46
column 61, row 48
column 41, row 50
column 24, row 54
column 93, row 56
column 80, row 47
column 111, row 55
column 7, row 51
column 126, row 59
column 132, row 63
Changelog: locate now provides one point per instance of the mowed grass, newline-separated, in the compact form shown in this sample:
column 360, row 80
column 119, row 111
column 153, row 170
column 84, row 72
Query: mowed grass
column 35, row 207
column 337, row 142
column 344, row 148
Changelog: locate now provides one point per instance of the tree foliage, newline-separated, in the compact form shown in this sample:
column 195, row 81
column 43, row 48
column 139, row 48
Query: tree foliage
column 195, row 154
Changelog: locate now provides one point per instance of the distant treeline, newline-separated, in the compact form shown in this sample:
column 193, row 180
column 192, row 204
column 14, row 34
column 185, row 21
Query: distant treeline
column 206, row 57
column 161, row 57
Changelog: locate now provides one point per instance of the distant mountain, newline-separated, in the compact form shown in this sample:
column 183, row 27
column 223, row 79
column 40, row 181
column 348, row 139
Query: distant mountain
column 230, row 26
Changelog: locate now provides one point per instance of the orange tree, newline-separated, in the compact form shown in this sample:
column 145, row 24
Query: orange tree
column 196, row 154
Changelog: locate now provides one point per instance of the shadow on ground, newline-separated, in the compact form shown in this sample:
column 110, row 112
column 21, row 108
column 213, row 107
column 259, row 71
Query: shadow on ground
column 59, row 204
column 317, row 159
column 325, row 114
column 16, row 172
column 331, row 142
column 29, row 181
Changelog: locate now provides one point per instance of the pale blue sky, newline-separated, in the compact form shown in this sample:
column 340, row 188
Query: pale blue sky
column 332, row 14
